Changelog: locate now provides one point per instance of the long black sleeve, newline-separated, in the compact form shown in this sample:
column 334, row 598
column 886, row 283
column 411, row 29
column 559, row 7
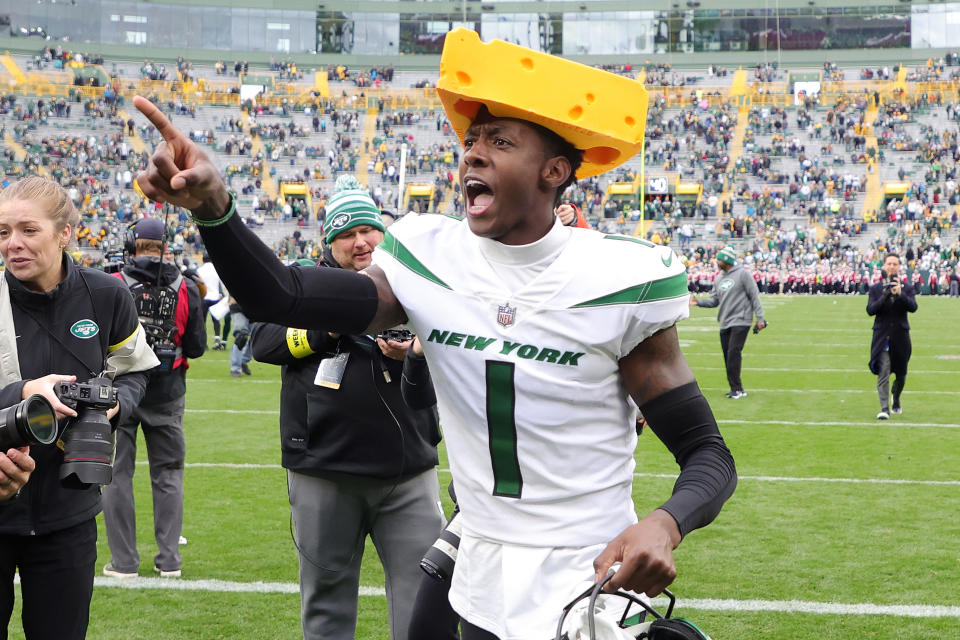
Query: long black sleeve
column 876, row 297
column 131, row 388
column 332, row 299
column 682, row 419
column 416, row 385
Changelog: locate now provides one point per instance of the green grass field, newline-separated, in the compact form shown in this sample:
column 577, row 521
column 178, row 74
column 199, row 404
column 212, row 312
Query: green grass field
column 841, row 527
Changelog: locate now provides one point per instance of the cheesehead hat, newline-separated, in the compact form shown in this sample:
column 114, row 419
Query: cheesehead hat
column 602, row 114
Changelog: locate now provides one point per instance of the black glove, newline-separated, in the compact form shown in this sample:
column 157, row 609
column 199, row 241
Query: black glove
column 240, row 338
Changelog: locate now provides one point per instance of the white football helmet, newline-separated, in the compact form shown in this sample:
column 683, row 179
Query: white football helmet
column 594, row 615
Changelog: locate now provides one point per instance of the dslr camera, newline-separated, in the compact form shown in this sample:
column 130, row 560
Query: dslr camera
column 88, row 438
column 889, row 282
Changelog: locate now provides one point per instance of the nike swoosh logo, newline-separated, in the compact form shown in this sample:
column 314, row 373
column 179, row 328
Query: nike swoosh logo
column 668, row 260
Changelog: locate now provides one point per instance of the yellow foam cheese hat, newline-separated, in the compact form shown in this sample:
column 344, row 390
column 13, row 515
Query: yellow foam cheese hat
column 602, row 114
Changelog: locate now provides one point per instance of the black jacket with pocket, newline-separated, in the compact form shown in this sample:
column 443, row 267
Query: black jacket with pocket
column 364, row 427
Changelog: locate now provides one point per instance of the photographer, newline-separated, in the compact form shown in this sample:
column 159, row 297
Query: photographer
column 890, row 301
column 359, row 461
column 171, row 311
column 58, row 323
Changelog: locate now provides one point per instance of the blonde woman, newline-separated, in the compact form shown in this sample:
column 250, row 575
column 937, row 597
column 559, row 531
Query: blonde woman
column 58, row 322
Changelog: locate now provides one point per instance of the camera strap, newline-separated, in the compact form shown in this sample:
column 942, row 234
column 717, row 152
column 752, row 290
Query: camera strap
column 93, row 374
column 61, row 342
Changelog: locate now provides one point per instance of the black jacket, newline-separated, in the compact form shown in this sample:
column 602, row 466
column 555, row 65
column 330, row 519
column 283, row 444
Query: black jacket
column 43, row 323
column 891, row 326
column 364, row 427
column 163, row 387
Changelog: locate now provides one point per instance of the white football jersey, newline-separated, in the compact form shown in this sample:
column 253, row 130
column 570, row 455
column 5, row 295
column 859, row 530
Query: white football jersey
column 538, row 430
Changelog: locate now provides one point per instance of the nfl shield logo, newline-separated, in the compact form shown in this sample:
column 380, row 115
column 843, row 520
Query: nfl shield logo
column 506, row 314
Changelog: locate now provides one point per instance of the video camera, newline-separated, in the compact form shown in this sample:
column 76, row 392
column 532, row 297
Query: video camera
column 88, row 441
column 113, row 261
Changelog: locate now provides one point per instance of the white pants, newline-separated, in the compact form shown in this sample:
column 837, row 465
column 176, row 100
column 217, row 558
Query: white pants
column 518, row 592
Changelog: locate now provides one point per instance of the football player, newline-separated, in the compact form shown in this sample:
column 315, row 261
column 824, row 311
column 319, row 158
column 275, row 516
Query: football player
column 535, row 334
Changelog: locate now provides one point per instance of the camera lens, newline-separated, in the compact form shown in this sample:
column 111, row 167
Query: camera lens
column 440, row 559
column 32, row 421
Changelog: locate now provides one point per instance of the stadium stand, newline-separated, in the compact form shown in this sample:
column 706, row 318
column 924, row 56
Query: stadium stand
column 811, row 189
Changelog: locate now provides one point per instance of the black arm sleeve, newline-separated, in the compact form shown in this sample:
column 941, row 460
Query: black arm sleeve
column 335, row 299
column 270, row 343
column 416, row 384
column 682, row 419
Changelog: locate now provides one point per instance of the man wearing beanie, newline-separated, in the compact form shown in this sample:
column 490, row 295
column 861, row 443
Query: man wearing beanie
column 735, row 292
column 171, row 312
column 359, row 461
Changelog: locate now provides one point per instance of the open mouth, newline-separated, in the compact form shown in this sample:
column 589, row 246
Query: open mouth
column 479, row 196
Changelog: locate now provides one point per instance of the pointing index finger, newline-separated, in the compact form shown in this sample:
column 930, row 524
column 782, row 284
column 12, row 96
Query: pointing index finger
column 169, row 132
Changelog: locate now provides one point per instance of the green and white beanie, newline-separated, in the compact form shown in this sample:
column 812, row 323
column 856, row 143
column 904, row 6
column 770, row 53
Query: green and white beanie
column 728, row 255
column 350, row 206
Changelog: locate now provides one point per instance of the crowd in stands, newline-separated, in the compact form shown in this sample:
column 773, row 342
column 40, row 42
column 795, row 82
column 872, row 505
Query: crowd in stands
column 792, row 200
column 807, row 260
column 59, row 58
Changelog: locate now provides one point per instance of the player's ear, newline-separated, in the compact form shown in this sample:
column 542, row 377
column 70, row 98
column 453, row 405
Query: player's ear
column 555, row 171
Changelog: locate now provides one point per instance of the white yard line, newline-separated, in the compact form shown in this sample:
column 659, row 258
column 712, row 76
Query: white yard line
column 703, row 604
column 909, row 392
column 669, row 476
column 834, row 423
column 863, row 370
column 948, row 483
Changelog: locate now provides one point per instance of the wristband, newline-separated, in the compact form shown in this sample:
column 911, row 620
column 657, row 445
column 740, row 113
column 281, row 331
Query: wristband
column 218, row 221
column 298, row 344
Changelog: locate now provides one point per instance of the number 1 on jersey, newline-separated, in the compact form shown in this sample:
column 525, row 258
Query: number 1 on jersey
column 502, row 429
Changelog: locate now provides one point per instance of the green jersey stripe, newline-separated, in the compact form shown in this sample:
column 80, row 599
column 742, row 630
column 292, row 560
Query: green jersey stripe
column 663, row 289
column 645, row 243
column 395, row 248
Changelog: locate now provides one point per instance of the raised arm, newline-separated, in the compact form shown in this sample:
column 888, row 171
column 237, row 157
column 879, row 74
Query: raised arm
column 180, row 173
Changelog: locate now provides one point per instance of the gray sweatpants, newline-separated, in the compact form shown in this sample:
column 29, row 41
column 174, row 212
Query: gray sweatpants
column 166, row 450
column 333, row 513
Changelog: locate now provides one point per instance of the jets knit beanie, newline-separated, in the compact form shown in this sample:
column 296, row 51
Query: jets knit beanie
column 350, row 206
column 727, row 255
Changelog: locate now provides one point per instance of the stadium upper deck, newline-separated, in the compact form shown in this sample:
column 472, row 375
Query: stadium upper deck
column 683, row 32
